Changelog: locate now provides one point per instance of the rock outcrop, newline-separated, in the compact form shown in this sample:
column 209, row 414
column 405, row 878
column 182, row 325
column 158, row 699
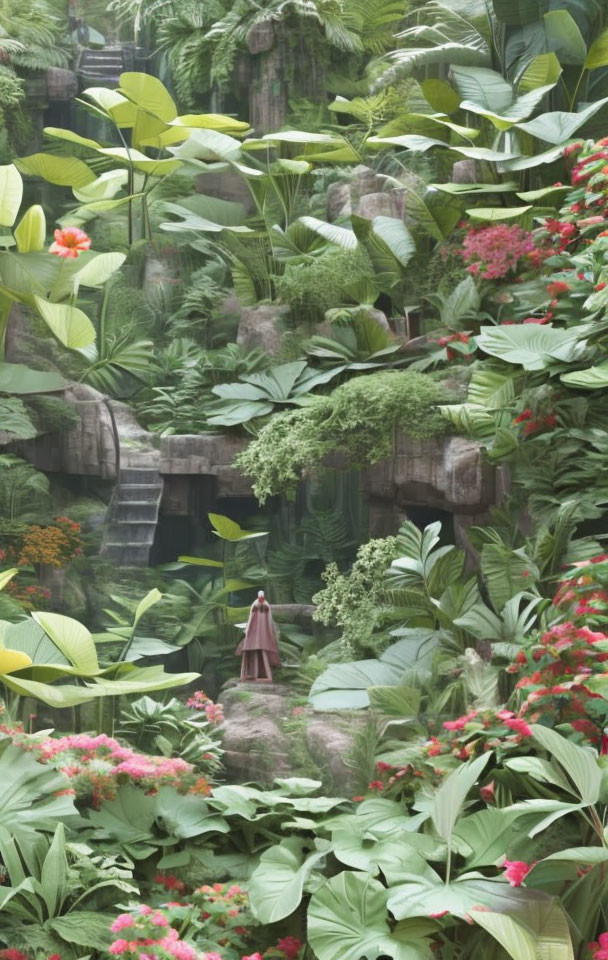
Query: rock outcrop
column 265, row 737
column 262, row 327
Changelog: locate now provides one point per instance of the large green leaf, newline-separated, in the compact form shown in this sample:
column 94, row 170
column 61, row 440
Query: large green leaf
column 544, row 69
column 512, row 936
column 63, row 171
column 519, row 110
column 139, row 161
column 186, row 816
column 422, row 144
column 331, row 232
column 347, row 920
column 105, row 187
column 11, row 192
column 110, row 104
column 497, row 214
column 70, row 325
column 60, row 696
column 86, row 928
column 345, row 685
column 148, row 92
column 559, row 126
column 485, row 88
column 531, row 346
column 72, row 638
column 491, row 387
column 580, row 763
column 419, row 896
column 594, row 378
column 31, row 797
column 395, row 701
column 565, row 38
column 227, row 529
column 140, row 680
column 395, row 235
column 488, row 834
column 98, row 270
column 127, row 820
column 449, row 798
column 517, row 164
column 275, row 889
column 389, row 855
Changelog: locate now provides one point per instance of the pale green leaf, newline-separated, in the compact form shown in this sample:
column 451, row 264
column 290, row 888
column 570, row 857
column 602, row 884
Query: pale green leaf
column 11, row 193
column 70, row 325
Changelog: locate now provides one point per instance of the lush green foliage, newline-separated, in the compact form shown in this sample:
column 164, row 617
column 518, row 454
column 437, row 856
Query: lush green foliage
column 358, row 419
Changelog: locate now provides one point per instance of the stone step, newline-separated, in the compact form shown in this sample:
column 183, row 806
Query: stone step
column 139, row 491
column 136, row 510
column 141, row 531
column 127, row 554
column 140, row 459
column 137, row 475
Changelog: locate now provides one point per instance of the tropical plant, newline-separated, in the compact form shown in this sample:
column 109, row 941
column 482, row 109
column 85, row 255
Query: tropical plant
column 258, row 394
column 32, row 35
column 42, row 903
column 49, row 647
column 143, row 106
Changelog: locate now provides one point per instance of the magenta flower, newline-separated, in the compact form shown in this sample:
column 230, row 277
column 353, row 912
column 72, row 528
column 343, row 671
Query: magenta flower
column 516, row 871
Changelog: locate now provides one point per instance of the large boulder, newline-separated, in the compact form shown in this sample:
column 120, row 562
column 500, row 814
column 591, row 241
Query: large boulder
column 261, row 740
column 262, row 326
column 256, row 748
column 339, row 204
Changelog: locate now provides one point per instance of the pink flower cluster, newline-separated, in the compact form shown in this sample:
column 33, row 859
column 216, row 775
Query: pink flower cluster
column 600, row 949
column 516, row 871
column 494, row 251
column 96, row 765
column 200, row 701
column 145, row 940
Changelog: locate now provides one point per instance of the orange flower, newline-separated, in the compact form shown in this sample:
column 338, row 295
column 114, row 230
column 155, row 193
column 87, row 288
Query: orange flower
column 70, row 242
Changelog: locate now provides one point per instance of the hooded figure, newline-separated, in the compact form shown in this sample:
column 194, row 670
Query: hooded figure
column 259, row 646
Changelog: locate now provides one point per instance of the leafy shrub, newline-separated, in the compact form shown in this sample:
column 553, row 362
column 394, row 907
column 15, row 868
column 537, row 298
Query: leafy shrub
column 312, row 288
column 358, row 419
column 353, row 601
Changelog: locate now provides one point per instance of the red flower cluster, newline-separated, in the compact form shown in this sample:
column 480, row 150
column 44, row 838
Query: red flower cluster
column 493, row 252
column 535, row 424
column 459, row 337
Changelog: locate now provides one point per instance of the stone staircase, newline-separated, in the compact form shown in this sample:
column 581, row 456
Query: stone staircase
column 130, row 532
column 132, row 515
column 101, row 68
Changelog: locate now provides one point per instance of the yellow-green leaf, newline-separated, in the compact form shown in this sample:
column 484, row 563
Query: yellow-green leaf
column 598, row 52
column 63, row 171
column 11, row 660
column 30, row 233
column 6, row 576
column 543, row 70
column 70, row 325
column 11, row 192
column 150, row 93
column 72, row 638
column 117, row 107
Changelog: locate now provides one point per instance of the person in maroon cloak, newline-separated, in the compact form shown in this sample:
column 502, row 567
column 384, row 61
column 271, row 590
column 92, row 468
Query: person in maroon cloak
column 259, row 646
